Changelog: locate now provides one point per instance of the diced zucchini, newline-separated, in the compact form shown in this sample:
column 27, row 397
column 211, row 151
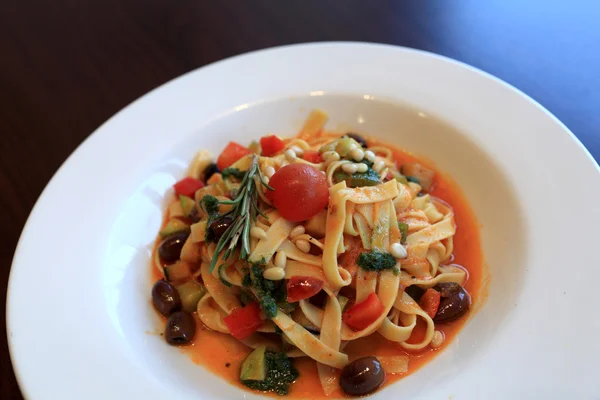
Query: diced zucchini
column 344, row 145
column 191, row 292
column 223, row 276
column 343, row 302
column 175, row 210
column 424, row 176
column 369, row 178
column 178, row 271
column 286, row 307
column 316, row 225
column 175, row 225
column 198, row 231
column 254, row 366
column 188, row 206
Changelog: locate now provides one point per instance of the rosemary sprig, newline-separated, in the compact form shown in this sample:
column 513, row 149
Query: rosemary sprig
column 244, row 210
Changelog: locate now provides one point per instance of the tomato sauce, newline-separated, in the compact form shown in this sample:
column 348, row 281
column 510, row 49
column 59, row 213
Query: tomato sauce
column 223, row 355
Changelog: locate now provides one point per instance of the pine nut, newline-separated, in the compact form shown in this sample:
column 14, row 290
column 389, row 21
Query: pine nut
column 297, row 231
column 378, row 166
column 370, row 156
column 269, row 171
column 290, row 155
column 357, row 154
column 302, row 245
column 258, row 233
column 297, row 150
column 437, row 340
column 362, row 168
column 274, row 274
column 350, row 168
column 398, row 251
column 280, row 259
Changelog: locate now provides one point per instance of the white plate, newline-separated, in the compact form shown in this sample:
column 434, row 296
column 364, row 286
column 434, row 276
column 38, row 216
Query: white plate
column 78, row 308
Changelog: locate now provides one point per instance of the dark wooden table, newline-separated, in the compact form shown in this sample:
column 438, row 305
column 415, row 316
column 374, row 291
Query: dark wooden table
column 68, row 65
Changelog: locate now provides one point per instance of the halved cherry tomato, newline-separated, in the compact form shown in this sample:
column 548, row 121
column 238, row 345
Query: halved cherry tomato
column 300, row 191
column 243, row 322
column 271, row 145
column 231, row 153
column 188, row 186
column 430, row 302
column 302, row 287
column 312, row 156
column 363, row 314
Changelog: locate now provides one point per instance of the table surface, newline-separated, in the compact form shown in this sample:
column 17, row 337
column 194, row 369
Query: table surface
column 66, row 66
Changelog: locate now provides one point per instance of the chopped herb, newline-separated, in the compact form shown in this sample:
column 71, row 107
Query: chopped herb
column 246, row 280
column 396, row 271
column 280, row 292
column 210, row 204
column 376, row 261
column 236, row 173
column 264, row 291
column 403, row 230
column 280, row 374
column 413, row 179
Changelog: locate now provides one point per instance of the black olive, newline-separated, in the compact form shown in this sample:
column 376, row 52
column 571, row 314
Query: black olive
column 210, row 171
column 218, row 227
column 415, row 292
column 447, row 289
column 180, row 329
column 361, row 140
column 165, row 298
column 169, row 249
column 453, row 306
column 319, row 299
column 362, row 376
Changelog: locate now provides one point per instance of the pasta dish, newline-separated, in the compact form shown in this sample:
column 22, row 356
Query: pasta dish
column 306, row 250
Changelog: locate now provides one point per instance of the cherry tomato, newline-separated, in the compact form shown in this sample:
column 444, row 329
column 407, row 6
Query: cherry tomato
column 312, row 156
column 243, row 322
column 300, row 191
column 271, row 145
column 363, row 314
column 231, row 153
column 302, row 287
column 188, row 186
column 430, row 302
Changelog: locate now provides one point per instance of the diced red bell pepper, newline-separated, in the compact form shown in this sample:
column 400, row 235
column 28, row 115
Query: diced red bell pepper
column 271, row 145
column 363, row 314
column 302, row 287
column 231, row 153
column 188, row 186
column 243, row 322
column 312, row 156
column 430, row 302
